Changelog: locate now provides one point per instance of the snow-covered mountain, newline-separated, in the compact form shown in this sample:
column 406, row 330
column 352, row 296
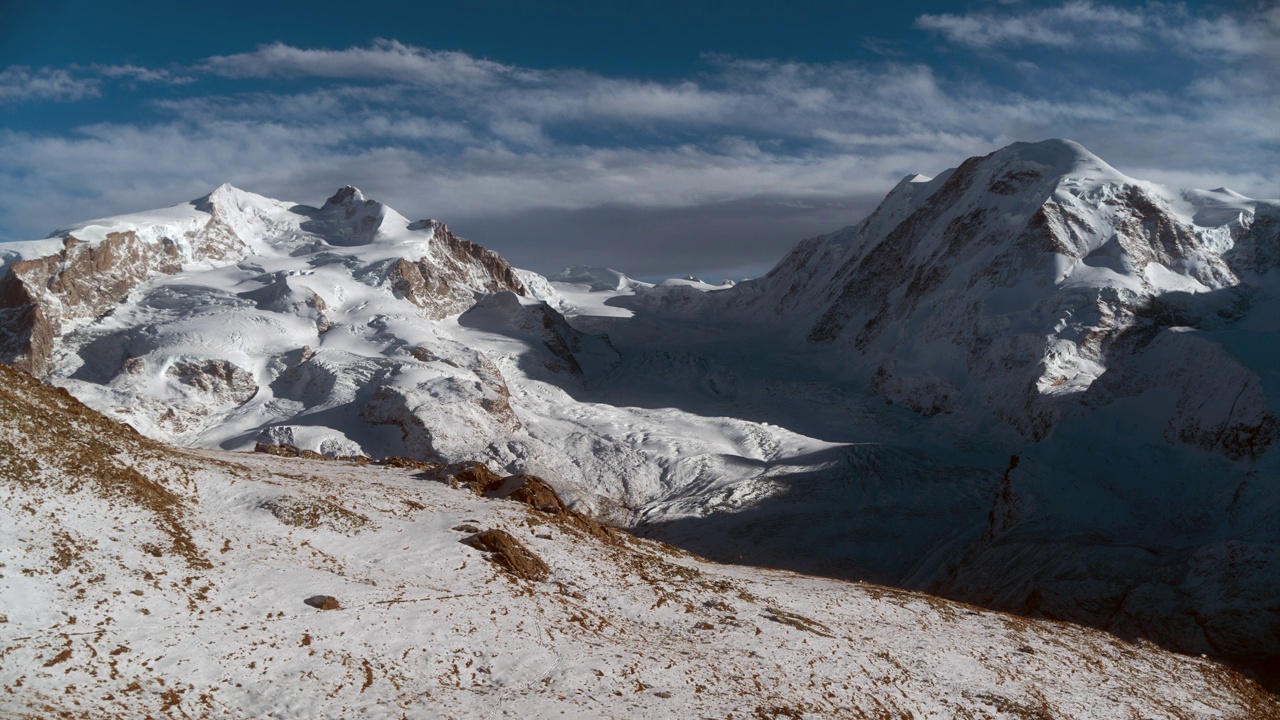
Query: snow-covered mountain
column 84, row 272
column 1013, row 282
column 139, row 580
column 854, row 413
column 349, row 330
column 221, row 320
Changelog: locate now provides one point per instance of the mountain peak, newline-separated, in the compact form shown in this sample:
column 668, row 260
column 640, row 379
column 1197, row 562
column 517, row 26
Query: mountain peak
column 226, row 193
column 230, row 199
column 347, row 195
column 1058, row 157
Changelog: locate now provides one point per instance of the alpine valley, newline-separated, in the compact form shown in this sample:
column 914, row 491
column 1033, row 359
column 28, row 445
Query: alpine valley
column 1031, row 384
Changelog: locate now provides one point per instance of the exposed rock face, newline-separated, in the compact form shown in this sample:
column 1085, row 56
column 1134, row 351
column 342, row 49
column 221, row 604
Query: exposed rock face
column 85, row 281
column 1228, row 413
column 446, row 282
column 1256, row 247
column 222, row 380
column 529, row 490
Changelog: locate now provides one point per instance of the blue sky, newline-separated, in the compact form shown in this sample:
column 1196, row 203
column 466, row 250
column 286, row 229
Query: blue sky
column 653, row 137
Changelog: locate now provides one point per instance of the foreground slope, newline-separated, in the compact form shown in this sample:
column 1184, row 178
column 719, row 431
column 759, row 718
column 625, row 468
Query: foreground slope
column 142, row 580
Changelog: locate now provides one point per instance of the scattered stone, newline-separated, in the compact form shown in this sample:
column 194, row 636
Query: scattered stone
column 530, row 490
column 538, row 494
column 796, row 621
column 285, row 449
column 323, row 602
column 467, row 528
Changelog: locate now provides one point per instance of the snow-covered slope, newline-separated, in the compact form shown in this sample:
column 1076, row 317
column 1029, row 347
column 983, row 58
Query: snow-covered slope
column 139, row 580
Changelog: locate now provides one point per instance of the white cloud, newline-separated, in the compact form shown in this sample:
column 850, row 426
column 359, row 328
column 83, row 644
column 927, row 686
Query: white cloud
column 1082, row 25
column 19, row 83
column 138, row 73
column 384, row 60
column 983, row 31
column 518, row 141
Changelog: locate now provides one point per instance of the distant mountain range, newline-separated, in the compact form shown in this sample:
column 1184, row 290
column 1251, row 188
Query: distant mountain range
column 1030, row 382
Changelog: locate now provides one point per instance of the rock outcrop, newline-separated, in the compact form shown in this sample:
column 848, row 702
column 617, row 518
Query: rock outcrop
column 447, row 281
column 509, row 554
